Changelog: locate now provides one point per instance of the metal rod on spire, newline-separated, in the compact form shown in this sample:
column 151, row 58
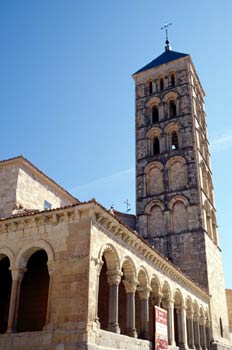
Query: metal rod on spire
column 167, row 47
column 166, row 29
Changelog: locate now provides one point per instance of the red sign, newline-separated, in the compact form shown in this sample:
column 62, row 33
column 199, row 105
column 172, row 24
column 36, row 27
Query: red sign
column 161, row 329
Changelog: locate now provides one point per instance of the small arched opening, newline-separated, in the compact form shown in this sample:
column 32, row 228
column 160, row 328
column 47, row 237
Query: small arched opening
column 103, row 297
column 34, row 294
column 173, row 80
column 156, row 146
column 155, row 114
column 161, row 83
column 174, row 141
column 5, row 292
column 172, row 109
column 150, row 87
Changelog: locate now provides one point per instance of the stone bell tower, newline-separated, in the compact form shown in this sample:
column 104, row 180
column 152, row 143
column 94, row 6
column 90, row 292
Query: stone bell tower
column 174, row 190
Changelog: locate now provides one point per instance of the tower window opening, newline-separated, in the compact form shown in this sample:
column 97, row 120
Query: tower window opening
column 156, row 146
column 161, row 84
column 221, row 327
column 174, row 141
column 155, row 114
column 150, row 87
column 172, row 109
column 173, row 80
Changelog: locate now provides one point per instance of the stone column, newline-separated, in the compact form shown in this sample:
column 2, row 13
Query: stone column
column 208, row 333
column 144, row 298
column 183, row 328
column 99, row 265
column 130, row 286
column 171, row 331
column 202, row 333
column 190, row 329
column 196, row 328
column 113, row 278
column 17, row 276
column 48, row 324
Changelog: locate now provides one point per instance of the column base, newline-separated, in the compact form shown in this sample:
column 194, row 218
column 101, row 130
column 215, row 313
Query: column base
column 131, row 332
column 113, row 327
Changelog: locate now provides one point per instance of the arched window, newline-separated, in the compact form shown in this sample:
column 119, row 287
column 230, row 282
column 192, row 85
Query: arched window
column 155, row 114
column 150, row 87
column 156, row 146
column 172, row 109
column 161, row 83
column 174, row 141
column 173, row 80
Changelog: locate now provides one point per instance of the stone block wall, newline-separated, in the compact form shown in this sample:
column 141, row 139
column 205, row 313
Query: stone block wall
column 229, row 307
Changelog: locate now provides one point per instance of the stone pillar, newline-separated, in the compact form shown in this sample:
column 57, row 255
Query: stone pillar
column 144, row 298
column 196, row 328
column 183, row 329
column 130, row 286
column 171, row 331
column 202, row 333
column 48, row 324
column 99, row 265
column 208, row 333
column 17, row 276
column 113, row 278
column 190, row 329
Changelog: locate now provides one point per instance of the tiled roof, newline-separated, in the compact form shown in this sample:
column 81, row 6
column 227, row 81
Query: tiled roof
column 165, row 57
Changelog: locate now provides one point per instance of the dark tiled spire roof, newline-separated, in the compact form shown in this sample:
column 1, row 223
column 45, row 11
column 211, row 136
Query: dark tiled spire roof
column 165, row 57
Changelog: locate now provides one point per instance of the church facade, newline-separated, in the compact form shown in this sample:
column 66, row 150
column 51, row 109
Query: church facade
column 74, row 275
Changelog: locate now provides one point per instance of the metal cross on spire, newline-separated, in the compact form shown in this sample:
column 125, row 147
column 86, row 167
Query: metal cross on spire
column 167, row 47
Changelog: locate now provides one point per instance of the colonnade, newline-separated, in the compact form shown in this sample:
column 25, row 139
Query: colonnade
column 188, row 326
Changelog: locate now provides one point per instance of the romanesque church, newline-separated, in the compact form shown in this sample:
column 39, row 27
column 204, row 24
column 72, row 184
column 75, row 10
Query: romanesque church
column 74, row 275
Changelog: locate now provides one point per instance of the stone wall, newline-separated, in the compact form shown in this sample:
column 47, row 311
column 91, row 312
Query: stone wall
column 8, row 183
column 229, row 307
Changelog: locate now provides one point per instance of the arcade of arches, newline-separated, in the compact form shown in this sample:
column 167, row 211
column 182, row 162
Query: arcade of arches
column 24, row 294
column 126, row 301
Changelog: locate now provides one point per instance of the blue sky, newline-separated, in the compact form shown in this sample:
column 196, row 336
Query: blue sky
column 67, row 96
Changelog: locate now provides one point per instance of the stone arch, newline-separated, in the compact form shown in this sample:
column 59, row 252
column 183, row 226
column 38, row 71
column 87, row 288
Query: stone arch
column 166, row 291
column 128, row 266
column 34, row 290
column 208, row 218
column 171, row 95
column 143, row 276
column 179, row 213
column 177, row 173
column 111, row 257
column 30, row 248
column 154, row 178
column 214, row 227
column 153, row 141
column 155, row 284
column 7, row 252
column 170, row 129
column 155, row 212
column 153, row 101
column 178, row 298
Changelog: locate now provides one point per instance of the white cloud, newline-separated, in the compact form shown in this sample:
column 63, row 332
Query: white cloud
column 222, row 142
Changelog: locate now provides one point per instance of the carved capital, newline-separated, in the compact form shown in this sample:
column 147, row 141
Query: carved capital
column 114, row 277
column 17, row 274
column 130, row 285
column 144, row 292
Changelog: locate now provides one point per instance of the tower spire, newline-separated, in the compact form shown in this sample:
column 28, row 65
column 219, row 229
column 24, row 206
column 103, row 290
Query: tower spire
column 168, row 46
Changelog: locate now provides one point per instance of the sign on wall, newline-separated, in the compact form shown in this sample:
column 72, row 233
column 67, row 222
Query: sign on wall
column 161, row 329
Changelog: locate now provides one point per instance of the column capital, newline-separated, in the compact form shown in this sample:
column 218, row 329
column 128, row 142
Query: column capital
column 144, row 292
column 98, row 264
column 114, row 277
column 196, row 316
column 190, row 314
column 17, row 273
column 130, row 284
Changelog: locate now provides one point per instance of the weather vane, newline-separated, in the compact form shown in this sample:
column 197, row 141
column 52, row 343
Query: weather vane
column 166, row 29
